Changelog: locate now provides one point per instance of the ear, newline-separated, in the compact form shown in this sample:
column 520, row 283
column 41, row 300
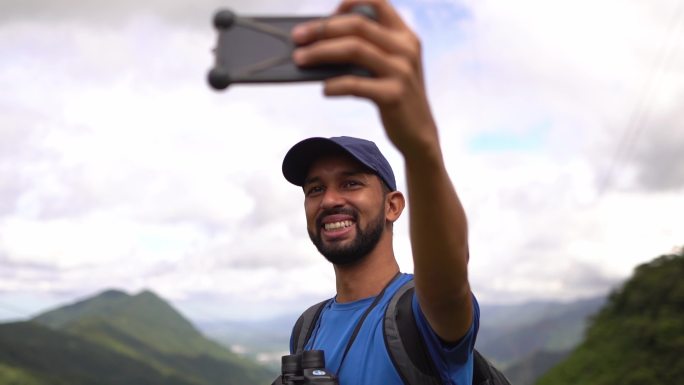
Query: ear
column 394, row 205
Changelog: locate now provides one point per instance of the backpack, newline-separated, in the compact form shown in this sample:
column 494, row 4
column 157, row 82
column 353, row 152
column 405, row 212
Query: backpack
column 415, row 366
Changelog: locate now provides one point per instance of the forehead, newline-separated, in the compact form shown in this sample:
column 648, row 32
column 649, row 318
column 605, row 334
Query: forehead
column 336, row 164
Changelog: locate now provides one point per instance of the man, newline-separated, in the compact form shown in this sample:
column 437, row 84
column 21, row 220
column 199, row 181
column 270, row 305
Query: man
column 351, row 203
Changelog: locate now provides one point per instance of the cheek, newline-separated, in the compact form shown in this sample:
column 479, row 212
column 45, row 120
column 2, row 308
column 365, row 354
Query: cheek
column 310, row 213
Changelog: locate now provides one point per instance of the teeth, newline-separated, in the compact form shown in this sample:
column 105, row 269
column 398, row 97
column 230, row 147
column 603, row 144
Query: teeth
column 337, row 225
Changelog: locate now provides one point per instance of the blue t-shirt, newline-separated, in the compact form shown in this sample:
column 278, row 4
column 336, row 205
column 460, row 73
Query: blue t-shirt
column 368, row 362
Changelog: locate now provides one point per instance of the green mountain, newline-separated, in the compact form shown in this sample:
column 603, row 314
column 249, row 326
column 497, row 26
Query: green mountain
column 32, row 354
column 638, row 337
column 140, row 332
column 144, row 317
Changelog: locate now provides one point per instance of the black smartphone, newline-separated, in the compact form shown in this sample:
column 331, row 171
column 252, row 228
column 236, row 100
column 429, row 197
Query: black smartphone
column 259, row 50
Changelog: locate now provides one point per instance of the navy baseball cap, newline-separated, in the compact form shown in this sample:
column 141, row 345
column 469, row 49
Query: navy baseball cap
column 300, row 157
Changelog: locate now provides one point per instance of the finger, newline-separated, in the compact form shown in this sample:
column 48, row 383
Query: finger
column 349, row 50
column 406, row 44
column 309, row 31
column 386, row 13
column 382, row 91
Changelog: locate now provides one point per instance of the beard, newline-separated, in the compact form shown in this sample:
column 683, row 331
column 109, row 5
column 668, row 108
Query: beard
column 364, row 242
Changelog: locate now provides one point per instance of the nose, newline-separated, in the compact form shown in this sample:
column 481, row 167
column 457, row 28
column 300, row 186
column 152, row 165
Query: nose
column 332, row 198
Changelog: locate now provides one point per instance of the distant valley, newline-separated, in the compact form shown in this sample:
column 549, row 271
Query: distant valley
column 117, row 338
column 524, row 340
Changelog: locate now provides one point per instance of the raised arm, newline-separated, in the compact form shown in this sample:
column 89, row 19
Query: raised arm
column 438, row 225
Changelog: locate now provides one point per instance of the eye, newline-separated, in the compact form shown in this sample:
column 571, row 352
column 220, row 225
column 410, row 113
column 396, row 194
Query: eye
column 313, row 190
column 351, row 183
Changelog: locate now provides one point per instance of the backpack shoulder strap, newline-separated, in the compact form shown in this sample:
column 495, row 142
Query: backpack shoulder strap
column 410, row 354
column 485, row 373
column 405, row 345
column 303, row 328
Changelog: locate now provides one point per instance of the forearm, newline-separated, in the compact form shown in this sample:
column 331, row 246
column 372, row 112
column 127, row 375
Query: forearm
column 438, row 230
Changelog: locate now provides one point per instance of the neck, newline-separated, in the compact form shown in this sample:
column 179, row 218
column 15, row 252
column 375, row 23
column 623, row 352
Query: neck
column 366, row 278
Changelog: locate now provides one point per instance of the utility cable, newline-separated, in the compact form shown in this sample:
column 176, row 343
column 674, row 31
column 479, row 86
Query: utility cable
column 640, row 113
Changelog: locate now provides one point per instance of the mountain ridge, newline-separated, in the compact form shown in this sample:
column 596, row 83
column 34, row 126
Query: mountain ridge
column 141, row 331
column 638, row 336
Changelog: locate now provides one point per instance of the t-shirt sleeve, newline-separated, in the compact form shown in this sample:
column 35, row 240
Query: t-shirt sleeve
column 453, row 360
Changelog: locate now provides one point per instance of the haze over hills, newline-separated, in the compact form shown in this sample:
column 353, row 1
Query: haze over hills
column 524, row 340
column 529, row 369
column 149, row 341
column 528, row 339
column 115, row 338
column 264, row 341
column 511, row 333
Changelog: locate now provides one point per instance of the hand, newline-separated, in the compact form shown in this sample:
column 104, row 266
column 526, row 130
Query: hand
column 387, row 48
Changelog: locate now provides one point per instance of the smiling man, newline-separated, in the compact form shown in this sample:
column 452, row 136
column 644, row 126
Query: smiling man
column 351, row 202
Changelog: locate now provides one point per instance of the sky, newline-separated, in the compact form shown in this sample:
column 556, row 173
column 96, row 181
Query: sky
column 561, row 124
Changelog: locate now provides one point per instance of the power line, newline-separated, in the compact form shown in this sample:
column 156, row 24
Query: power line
column 639, row 115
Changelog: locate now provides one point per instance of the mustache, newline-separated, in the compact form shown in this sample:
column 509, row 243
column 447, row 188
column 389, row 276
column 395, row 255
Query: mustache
column 335, row 211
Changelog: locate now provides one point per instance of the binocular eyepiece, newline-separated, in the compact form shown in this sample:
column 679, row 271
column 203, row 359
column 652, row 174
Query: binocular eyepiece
column 305, row 368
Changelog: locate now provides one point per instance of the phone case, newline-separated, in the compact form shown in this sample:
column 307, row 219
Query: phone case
column 259, row 50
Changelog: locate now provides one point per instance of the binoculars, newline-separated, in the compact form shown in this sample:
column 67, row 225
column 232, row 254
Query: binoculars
column 305, row 368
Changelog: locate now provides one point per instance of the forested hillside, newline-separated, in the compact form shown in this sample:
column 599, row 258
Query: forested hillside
column 32, row 354
column 118, row 339
column 638, row 337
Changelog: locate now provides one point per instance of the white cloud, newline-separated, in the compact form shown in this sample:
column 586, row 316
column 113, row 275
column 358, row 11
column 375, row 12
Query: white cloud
column 120, row 167
column 580, row 70
column 195, row 13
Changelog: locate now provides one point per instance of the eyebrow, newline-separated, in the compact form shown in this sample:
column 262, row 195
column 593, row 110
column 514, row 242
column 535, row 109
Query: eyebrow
column 314, row 179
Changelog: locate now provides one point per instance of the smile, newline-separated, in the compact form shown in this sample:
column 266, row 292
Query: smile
column 337, row 225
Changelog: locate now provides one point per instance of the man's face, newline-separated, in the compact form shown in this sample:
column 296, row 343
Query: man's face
column 345, row 210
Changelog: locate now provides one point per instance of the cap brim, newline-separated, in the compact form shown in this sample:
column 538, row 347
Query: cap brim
column 298, row 160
